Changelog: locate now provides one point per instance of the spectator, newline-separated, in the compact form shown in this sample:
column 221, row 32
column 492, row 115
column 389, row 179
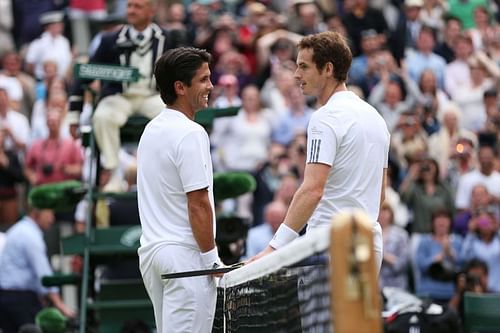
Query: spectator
column 50, row 45
column 14, row 124
column 462, row 160
column 492, row 124
column 452, row 29
column 81, row 12
column 296, row 118
column 10, row 175
column 464, row 9
column 56, row 100
column 470, row 97
column 24, row 262
column 243, row 143
column 483, row 242
column 22, row 95
column 407, row 29
column 457, row 72
column 443, row 144
column 485, row 174
column 370, row 44
column 484, row 32
column 268, row 178
column 309, row 19
column 53, row 159
column 259, row 236
column 480, row 200
column 139, row 43
column 363, row 17
column 423, row 192
column 394, row 270
column 438, row 259
column 423, row 57
column 474, row 278
column 430, row 94
column 432, row 13
column 408, row 141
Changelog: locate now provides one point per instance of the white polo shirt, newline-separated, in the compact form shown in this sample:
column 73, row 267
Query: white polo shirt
column 173, row 159
column 350, row 135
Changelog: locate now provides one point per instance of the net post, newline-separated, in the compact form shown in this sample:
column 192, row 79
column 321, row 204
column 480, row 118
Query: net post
column 355, row 297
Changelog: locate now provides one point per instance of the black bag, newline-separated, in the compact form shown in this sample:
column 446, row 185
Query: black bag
column 423, row 322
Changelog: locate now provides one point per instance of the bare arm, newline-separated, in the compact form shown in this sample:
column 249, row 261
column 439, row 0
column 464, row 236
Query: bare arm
column 308, row 195
column 56, row 300
column 304, row 201
column 201, row 219
column 384, row 184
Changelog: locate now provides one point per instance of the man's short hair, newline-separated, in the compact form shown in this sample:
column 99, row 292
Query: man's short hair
column 179, row 64
column 329, row 46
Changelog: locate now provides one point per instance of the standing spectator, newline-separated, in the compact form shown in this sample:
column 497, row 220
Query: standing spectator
column 24, row 263
column 259, row 236
column 50, row 45
column 14, row 124
column 53, row 159
column 483, row 242
column 394, row 270
column 10, row 174
column 438, row 260
column 81, row 12
column 139, row 43
column 485, row 174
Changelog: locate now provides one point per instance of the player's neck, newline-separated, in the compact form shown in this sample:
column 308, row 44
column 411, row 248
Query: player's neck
column 328, row 92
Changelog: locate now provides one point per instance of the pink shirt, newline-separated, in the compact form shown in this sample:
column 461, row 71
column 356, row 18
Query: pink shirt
column 55, row 153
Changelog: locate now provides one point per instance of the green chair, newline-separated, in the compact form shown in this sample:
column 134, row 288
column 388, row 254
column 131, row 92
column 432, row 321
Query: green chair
column 481, row 312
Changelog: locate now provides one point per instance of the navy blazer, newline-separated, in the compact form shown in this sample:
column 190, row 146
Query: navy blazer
column 115, row 49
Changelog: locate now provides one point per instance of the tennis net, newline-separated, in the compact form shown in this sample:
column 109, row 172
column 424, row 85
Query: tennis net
column 286, row 291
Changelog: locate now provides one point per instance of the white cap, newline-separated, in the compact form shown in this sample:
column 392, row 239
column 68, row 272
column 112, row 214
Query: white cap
column 414, row 3
column 51, row 17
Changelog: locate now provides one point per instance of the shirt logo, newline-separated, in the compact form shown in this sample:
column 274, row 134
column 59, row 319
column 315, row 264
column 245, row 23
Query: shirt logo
column 314, row 151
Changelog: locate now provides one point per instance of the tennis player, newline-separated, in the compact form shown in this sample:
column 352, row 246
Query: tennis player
column 347, row 145
column 175, row 197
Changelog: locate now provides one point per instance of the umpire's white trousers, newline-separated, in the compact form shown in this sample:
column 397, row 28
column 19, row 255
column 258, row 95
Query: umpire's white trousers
column 185, row 305
column 112, row 113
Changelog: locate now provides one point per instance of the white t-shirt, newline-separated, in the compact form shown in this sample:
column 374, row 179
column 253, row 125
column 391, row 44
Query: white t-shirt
column 351, row 136
column 173, row 158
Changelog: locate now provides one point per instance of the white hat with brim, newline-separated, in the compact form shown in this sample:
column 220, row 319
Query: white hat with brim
column 51, row 17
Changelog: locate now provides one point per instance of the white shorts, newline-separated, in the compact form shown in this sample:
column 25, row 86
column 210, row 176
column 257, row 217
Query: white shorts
column 185, row 305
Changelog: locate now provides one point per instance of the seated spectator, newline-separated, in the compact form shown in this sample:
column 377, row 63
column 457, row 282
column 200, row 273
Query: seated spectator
column 452, row 29
column 296, row 118
column 423, row 192
column 480, row 199
column 24, row 262
column 483, row 242
column 473, row 278
column 260, row 236
column 14, row 124
column 394, row 270
column 457, row 72
column 463, row 160
column 268, row 178
column 443, row 143
column 485, row 174
column 409, row 140
column 50, row 45
column 369, row 46
column 228, row 92
column 430, row 94
column 438, row 260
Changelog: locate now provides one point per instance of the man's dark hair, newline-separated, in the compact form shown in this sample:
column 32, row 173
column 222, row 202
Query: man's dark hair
column 328, row 47
column 179, row 64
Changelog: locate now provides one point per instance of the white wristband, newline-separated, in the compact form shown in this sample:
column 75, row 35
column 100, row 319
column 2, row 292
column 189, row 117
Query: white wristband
column 283, row 236
column 211, row 258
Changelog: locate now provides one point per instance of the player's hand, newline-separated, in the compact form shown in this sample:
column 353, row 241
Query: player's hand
column 261, row 254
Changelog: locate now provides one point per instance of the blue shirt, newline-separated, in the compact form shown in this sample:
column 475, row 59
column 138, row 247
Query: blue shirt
column 258, row 238
column 418, row 62
column 24, row 259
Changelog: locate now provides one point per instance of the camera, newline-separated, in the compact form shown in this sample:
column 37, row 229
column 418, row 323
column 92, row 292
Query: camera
column 472, row 281
column 47, row 169
column 424, row 167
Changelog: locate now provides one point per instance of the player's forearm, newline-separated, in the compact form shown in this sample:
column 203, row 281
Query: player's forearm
column 303, row 204
column 201, row 220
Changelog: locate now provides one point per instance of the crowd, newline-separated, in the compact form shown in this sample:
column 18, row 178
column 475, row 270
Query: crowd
column 430, row 67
